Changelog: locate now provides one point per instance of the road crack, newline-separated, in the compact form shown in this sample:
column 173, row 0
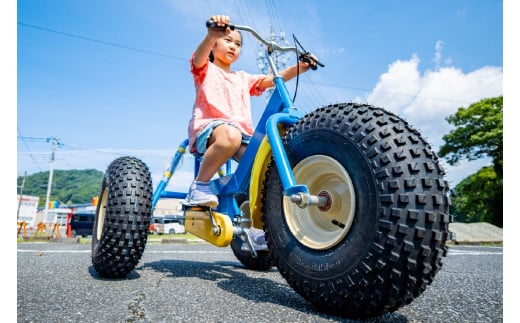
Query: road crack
column 137, row 312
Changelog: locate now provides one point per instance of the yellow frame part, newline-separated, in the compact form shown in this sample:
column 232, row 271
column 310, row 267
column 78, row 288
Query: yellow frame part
column 197, row 222
column 263, row 156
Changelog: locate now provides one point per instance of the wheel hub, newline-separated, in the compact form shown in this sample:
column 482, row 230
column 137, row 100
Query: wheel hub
column 328, row 204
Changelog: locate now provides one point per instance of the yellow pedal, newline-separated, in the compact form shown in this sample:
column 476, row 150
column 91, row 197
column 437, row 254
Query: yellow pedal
column 198, row 222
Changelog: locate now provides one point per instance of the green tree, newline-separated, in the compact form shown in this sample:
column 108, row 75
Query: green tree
column 68, row 187
column 478, row 133
column 479, row 198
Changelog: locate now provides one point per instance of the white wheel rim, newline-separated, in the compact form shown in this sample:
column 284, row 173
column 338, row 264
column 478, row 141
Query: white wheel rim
column 102, row 207
column 322, row 228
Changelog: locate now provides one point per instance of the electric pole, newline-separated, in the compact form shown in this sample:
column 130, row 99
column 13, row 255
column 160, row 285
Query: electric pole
column 55, row 142
column 20, row 199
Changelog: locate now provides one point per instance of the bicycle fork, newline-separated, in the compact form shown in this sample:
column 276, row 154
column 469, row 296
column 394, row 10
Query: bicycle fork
column 299, row 193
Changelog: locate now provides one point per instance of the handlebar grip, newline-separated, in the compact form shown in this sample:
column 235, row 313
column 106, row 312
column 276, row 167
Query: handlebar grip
column 211, row 24
column 305, row 58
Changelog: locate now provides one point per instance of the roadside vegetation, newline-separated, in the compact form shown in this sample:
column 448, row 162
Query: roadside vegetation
column 478, row 133
column 151, row 238
column 68, row 186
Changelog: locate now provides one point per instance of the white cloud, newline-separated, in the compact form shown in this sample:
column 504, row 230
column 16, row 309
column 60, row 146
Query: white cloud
column 397, row 87
column 438, row 54
column 426, row 99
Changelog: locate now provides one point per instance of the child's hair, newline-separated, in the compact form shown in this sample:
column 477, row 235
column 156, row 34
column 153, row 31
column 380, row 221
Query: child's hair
column 212, row 58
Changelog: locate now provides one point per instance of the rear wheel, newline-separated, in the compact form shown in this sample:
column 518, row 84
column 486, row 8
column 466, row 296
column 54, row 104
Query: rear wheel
column 263, row 260
column 122, row 218
column 378, row 242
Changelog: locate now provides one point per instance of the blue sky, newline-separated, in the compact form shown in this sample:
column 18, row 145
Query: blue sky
column 111, row 78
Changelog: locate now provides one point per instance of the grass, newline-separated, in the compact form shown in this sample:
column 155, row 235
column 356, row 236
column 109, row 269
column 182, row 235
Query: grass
column 151, row 238
column 188, row 236
column 476, row 243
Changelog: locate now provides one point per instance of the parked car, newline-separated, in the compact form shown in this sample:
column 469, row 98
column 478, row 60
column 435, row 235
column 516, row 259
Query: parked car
column 167, row 225
column 154, row 222
column 81, row 224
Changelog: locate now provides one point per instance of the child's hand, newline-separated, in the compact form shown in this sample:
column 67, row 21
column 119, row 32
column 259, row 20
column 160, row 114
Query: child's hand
column 221, row 21
column 307, row 61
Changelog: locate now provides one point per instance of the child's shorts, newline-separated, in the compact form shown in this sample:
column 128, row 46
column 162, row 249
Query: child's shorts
column 202, row 139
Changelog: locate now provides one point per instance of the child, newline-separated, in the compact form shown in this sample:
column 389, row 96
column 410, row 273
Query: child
column 221, row 125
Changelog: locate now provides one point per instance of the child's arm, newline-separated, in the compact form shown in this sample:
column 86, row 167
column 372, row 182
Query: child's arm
column 287, row 74
column 205, row 46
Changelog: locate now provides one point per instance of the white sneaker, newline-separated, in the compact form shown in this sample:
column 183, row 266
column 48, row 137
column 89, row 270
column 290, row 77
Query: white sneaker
column 200, row 194
column 257, row 237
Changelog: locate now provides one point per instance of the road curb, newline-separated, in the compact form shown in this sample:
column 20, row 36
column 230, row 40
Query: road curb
column 475, row 233
column 174, row 240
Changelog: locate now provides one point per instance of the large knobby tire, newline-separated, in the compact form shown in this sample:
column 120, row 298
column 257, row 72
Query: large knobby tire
column 122, row 218
column 263, row 260
column 380, row 241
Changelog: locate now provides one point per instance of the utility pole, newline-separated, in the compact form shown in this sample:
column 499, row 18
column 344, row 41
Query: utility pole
column 20, row 199
column 55, row 142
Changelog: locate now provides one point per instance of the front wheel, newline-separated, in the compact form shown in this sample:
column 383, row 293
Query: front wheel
column 379, row 240
column 122, row 218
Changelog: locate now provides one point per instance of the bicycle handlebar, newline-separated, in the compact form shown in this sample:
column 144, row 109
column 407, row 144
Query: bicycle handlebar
column 305, row 56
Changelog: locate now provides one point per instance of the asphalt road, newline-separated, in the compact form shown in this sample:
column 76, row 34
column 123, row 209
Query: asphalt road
column 201, row 283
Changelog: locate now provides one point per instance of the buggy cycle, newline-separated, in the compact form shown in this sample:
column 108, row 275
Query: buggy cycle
column 352, row 199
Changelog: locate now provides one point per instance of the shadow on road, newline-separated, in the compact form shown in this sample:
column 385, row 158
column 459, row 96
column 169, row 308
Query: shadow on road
column 234, row 278
column 132, row 275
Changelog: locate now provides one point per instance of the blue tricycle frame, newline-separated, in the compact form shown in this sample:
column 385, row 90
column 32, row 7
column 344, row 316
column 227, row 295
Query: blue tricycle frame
column 279, row 111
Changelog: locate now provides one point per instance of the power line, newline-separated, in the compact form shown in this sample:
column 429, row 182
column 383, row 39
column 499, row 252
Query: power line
column 145, row 51
column 243, row 11
column 385, row 92
column 272, row 14
column 27, row 147
column 65, row 146
column 245, row 18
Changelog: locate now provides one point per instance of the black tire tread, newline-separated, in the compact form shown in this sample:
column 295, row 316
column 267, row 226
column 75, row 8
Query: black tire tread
column 127, row 218
column 412, row 221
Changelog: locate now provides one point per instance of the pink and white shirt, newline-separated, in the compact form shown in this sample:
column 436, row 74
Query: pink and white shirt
column 220, row 95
